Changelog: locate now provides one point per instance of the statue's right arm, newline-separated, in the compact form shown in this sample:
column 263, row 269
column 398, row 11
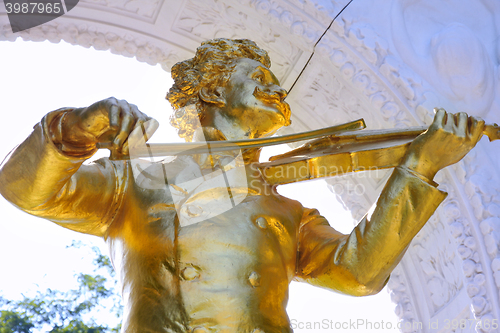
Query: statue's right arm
column 45, row 176
column 360, row 263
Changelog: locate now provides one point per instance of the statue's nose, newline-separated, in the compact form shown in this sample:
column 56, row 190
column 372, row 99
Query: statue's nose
column 282, row 92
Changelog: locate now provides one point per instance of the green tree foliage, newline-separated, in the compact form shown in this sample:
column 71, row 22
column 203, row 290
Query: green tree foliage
column 65, row 311
column 11, row 321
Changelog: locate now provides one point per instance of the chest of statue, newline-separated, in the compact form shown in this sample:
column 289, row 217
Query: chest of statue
column 259, row 228
column 197, row 211
column 235, row 268
column 228, row 266
column 261, row 231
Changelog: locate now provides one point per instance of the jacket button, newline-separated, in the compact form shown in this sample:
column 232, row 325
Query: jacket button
column 254, row 279
column 190, row 273
column 261, row 222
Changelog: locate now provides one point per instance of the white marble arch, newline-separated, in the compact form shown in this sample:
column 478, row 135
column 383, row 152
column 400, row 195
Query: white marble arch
column 390, row 62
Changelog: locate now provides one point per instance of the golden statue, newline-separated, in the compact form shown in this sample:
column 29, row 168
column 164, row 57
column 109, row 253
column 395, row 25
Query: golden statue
column 228, row 270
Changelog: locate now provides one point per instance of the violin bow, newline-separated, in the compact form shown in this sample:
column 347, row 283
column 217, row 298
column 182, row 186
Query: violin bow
column 325, row 134
column 190, row 148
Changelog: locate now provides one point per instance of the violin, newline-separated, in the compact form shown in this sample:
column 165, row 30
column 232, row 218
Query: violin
column 335, row 150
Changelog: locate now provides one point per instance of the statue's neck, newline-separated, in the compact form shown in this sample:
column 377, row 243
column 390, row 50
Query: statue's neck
column 208, row 133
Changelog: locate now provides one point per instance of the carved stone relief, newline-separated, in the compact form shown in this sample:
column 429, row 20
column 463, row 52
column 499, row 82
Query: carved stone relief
column 451, row 51
column 440, row 267
column 323, row 91
column 481, row 183
column 322, row 11
column 117, row 41
column 400, row 294
column 263, row 21
column 147, row 9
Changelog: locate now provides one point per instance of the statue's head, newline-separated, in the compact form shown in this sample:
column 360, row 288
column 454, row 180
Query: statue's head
column 227, row 82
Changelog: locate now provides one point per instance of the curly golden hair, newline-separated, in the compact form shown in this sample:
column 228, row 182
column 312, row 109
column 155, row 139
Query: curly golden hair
column 211, row 67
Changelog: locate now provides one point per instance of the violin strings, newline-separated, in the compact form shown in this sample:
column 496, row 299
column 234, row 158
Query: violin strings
column 314, row 47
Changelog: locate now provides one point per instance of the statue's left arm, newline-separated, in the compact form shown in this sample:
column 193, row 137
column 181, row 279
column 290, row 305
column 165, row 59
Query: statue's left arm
column 360, row 263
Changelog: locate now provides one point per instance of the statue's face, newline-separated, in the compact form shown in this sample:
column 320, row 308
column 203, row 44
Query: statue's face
column 254, row 101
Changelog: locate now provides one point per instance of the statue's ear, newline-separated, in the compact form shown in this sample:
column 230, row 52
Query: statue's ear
column 213, row 96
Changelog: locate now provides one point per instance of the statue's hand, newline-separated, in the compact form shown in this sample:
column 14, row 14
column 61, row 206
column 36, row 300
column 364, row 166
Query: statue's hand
column 106, row 121
column 447, row 141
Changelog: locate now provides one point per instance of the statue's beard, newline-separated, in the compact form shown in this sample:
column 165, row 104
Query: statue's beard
column 275, row 98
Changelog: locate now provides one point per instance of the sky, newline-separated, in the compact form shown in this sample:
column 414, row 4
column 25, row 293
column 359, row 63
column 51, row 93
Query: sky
column 37, row 78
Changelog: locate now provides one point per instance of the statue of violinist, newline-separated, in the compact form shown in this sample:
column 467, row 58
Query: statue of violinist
column 230, row 271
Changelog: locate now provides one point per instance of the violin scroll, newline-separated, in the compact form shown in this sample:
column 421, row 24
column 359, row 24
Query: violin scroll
column 492, row 131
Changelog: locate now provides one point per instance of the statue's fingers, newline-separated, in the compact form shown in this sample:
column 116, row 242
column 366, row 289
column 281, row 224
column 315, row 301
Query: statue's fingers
column 476, row 127
column 151, row 125
column 113, row 112
column 135, row 138
column 139, row 116
column 461, row 121
column 449, row 122
column 439, row 118
column 141, row 133
column 127, row 123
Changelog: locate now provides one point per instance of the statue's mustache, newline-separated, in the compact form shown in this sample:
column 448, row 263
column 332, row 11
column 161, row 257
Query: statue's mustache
column 275, row 98
column 272, row 97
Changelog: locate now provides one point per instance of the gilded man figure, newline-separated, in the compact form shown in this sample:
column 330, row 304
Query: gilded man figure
column 229, row 272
